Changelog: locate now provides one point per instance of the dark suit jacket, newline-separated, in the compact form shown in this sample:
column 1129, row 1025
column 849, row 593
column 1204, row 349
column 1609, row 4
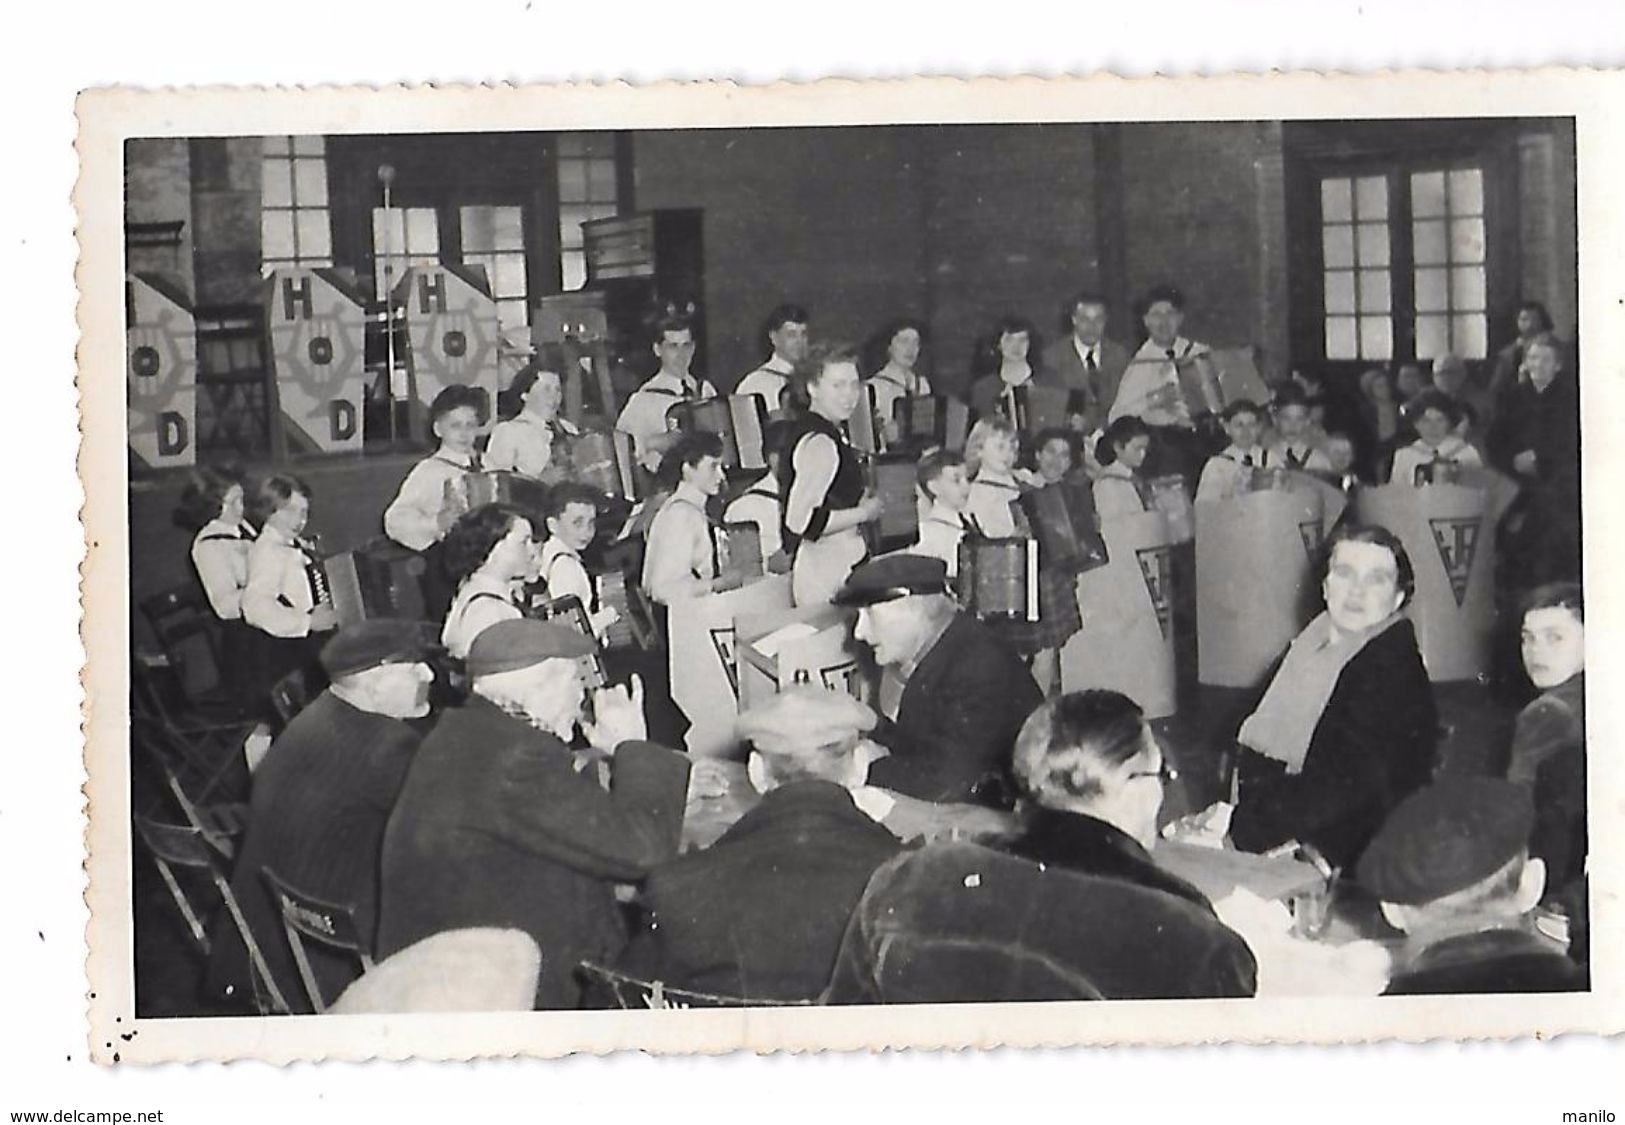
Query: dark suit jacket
column 320, row 801
column 1090, row 846
column 495, row 828
column 1496, row 960
column 960, row 922
column 1375, row 743
column 958, row 716
column 1062, row 363
column 760, row 913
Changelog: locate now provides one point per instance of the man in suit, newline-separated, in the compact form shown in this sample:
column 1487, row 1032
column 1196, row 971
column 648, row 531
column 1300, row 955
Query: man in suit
column 1087, row 362
column 963, row 695
column 496, row 826
column 1452, row 869
column 759, row 914
column 321, row 799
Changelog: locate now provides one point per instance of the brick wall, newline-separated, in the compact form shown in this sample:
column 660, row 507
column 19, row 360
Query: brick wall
column 226, row 219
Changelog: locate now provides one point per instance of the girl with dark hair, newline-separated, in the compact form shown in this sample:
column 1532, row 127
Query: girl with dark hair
column 1436, row 417
column 822, row 481
column 1347, row 727
column 490, row 553
column 536, row 441
column 1120, row 490
column 894, row 356
column 1004, row 363
column 213, row 506
column 279, row 598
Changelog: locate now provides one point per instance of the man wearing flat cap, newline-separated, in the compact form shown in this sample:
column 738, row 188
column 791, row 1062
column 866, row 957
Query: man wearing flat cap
column 320, row 801
column 1452, row 869
column 759, row 914
column 964, row 694
column 495, row 826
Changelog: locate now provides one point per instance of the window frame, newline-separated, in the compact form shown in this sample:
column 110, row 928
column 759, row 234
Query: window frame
column 292, row 157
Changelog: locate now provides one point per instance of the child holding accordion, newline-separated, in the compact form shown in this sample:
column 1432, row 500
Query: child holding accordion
column 994, row 507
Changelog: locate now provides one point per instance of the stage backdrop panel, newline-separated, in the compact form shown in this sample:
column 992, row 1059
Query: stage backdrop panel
column 1448, row 532
column 317, row 323
column 1127, row 640
column 451, row 326
column 161, row 372
column 1255, row 578
column 704, row 663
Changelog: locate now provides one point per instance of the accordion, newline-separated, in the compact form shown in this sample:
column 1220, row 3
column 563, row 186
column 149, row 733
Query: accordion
column 568, row 610
column 1039, row 408
column 604, row 463
column 739, row 552
column 893, row 480
column 927, row 420
column 1267, row 480
column 475, row 490
column 364, row 584
column 738, row 420
column 1062, row 516
column 862, row 429
column 998, row 578
column 634, row 626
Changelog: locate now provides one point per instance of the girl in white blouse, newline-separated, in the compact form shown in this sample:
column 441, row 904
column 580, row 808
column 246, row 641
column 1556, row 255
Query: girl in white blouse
column 212, row 508
column 279, row 599
column 490, row 554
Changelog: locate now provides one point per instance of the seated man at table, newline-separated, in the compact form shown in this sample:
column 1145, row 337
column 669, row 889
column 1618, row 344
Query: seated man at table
column 496, row 827
column 759, row 914
column 964, row 695
column 1093, row 775
column 1452, row 869
column 321, row 799
column 958, row 922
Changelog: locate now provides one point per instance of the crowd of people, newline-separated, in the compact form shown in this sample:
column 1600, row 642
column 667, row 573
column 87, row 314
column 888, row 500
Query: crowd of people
column 488, row 768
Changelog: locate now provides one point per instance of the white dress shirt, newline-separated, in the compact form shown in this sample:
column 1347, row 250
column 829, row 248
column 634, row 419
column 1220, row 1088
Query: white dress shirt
column 760, row 505
column 889, row 384
column 644, row 415
column 940, row 533
column 277, row 597
column 1228, row 474
column 524, row 444
column 1409, row 458
column 413, row 517
column 767, row 381
column 220, row 554
column 991, row 504
column 565, row 575
column 680, row 560
column 480, row 603
column 1150, row 389
column 1116, row 493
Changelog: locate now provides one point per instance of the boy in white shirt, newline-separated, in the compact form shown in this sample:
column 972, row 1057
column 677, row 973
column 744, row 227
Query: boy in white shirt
column 1436, row 416
column 1296, row 445
column 572, row 522
column 1229, row 473
column 943, row 479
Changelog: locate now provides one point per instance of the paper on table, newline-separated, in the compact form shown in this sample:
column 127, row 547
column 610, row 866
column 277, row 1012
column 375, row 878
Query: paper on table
column 772, row 644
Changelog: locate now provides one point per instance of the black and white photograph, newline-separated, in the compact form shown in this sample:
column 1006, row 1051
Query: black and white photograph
column 934, row 558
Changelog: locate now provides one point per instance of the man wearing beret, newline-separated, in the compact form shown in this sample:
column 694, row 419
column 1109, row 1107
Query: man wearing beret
column 320, row 801
column 760, row 913
column 495, row 826
column 1452, row 868
column 964, row 694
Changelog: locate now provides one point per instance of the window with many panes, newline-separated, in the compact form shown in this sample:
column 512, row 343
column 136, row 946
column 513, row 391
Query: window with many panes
column 1355, row 255
column 402, row 237
column 295, row 229
column 1403, row 265
column 494, row 237
column 587, row 191
column 1447, row 254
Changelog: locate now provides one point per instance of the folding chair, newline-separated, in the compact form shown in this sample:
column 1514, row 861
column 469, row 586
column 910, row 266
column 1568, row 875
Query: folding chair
column 330, row 923
column 635, row 994
column 188, row 633
column 175, row 845
column 217, row 823
column 205, row 749
column 290, row 695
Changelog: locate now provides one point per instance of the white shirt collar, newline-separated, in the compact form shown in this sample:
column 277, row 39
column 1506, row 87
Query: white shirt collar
column 1086, row 350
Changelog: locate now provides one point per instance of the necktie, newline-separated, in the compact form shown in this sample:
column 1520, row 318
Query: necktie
column 1293, row 460
column 474, row 462
column 1090, row 365
column 1247, row 461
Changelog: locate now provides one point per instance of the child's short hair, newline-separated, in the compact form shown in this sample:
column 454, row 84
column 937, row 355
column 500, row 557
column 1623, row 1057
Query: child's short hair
column 454, row 397
column 933, row 463
column 1436, row 400
column 1242, row 406
column 1557, row 595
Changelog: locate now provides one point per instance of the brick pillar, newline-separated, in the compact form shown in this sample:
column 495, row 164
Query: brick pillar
column 1271, row 323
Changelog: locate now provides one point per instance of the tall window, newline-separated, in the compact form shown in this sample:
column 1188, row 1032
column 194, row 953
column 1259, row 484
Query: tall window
column 1355, row 254
column 402, row 237
column 294, row 225
column 1404, row 264
column 494, row 237
column 1447, row 237
column 586, row 191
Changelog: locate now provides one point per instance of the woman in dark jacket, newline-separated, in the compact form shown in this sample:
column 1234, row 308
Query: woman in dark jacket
column 1347, row 727
column 1537, row 441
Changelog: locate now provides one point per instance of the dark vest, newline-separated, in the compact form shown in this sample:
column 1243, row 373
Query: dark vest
column 845, row 491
